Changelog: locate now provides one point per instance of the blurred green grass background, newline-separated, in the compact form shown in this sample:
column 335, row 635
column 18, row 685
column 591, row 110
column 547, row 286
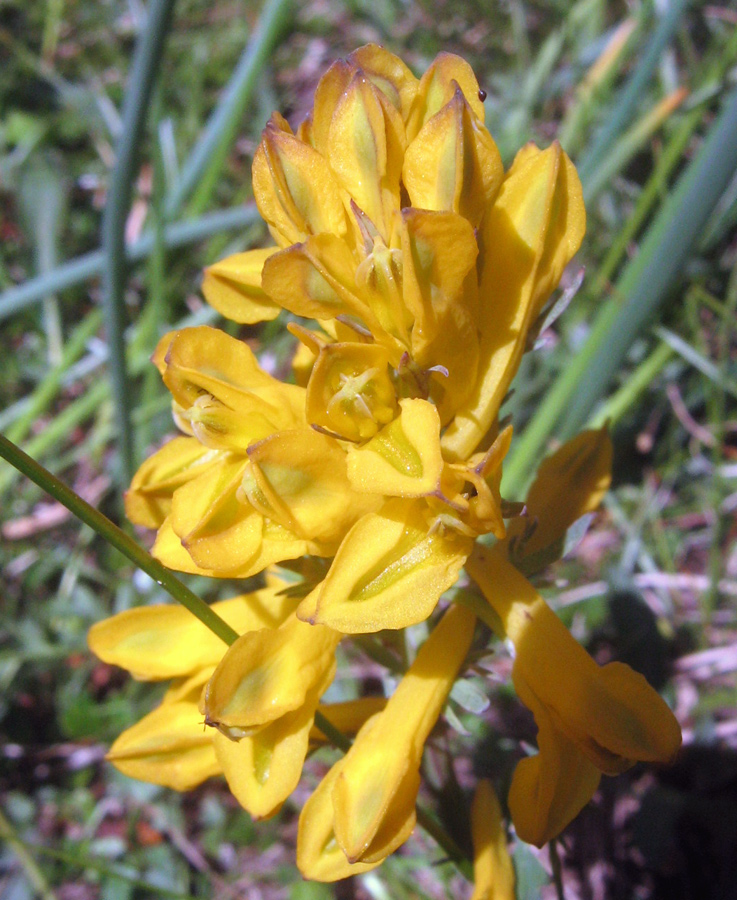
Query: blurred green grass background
column 124, row 124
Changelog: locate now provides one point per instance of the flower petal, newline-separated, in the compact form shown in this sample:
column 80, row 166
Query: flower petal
column 295, row 190
column 266, row 674
column 167, row 641
column 569, row 484
column 389, row 572
column 167, row 747
column 437, row 87
column 529, row 236
column 148, row 499
column 319, row 857
column 550, row 789
column 610, row 713
column 207, row 361
column 453, row 163
column 366, row 143
column 379, row 779
column 404, row 459
column 493, row 872
column 439, row 288
column 233, row 287
column 298, row 479
column 264, row 768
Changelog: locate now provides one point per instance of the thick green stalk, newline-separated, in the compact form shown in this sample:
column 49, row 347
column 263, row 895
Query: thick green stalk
column 146, row 64
column 92, row 264
column 117, row 538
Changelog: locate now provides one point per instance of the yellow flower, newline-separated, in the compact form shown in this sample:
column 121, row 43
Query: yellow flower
column 493, row 873
column 591, row 719
column 422, row 268
column 365, row 807
column 170, row 746
column 383, row 460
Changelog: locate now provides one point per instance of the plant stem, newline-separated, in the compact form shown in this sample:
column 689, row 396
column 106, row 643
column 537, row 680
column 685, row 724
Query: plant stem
column 33, row 873
column 117, row 538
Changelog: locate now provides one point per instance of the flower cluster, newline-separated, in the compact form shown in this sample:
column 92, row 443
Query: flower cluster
column 420, row 269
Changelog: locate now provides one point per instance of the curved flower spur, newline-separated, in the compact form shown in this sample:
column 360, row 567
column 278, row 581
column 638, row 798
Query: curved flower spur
column 419, row 269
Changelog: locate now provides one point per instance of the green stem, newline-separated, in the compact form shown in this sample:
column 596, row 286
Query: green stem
column 632, row 93
column 441, row 836
column 146, row 64
column 117, row 538
column 33, row 873
column 557, row 869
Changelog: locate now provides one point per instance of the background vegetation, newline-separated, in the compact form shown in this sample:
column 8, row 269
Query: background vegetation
column 643, row 97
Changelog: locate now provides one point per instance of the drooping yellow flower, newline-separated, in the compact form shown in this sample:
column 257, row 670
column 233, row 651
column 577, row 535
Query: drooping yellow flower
column 365, row 807
column 171, row 746
column 591, row 719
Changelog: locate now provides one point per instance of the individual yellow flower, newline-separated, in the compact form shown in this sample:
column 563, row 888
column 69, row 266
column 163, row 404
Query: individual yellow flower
column 591, row 719
column 365, row 807
column 170, row 746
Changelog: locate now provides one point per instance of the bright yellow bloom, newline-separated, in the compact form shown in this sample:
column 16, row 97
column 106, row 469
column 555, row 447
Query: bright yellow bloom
column 422, row 269
column 365, row 807
column 424, row 311
column 170, row 746
column 591, row 719
column 493, row 873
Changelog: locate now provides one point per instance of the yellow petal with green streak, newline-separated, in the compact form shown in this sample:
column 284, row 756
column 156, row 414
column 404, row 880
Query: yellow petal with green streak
column 529, row 236
column 319, row 857
column 218, row 531
column 366, row 144
column 205, row 361
column 294, row 188
column 389, row 74
column 378, row 783
column 610, row 713
column 404, row 459
column 389, row 572
column 148, row 500
column 317, row 280
column 493, row 872
column 266, row 674
column 167, row 747
column 299, row 480
column 569, row 484
column 167, row 641
column 440, row 290
column 263, row 769
column 437, row 87
column 453, row 163
column 233, row 287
